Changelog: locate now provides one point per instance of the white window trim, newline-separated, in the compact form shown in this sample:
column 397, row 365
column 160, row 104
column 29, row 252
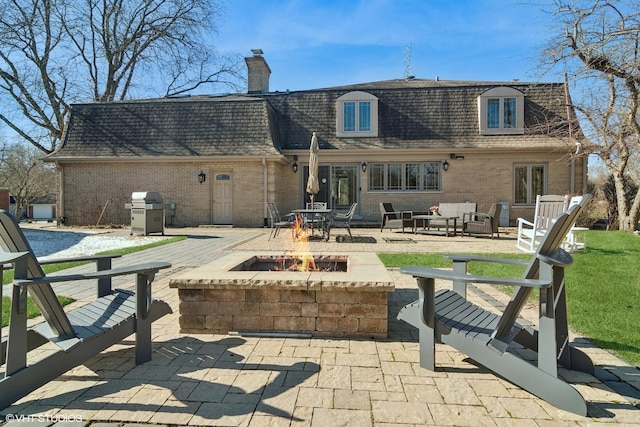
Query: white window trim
column 501, row 93
column 356, row 96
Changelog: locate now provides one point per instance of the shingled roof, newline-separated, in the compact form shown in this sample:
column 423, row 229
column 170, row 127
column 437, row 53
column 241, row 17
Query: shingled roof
column 421, row 114
column 413, row 114
column 193, row 126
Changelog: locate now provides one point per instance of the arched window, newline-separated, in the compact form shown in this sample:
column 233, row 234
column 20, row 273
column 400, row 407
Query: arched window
column 501, row 111
column 357, row 115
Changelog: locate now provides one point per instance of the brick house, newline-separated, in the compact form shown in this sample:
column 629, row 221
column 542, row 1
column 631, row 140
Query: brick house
column 412, row 142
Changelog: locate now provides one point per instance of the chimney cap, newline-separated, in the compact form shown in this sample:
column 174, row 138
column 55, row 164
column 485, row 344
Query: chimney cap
column 257, row 52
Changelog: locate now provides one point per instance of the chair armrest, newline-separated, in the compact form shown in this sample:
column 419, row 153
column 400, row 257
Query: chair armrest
column 78, row 259
column 434, row 273
column 9, row 257
column 478, row 258
column 477, row 215
column 522, row 221
column 151, row 267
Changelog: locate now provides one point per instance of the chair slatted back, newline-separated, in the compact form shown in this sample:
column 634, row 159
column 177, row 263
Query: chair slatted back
column 12, row 239
column 549, row 246
column 547, row 208
column 352, row 210
column 317, row 205
column 273, row 212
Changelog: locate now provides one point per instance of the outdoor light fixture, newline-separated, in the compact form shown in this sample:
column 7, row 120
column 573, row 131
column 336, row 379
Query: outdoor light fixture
column 202, row 177
column 445, row 166
column 364, row 166
column 295, row 164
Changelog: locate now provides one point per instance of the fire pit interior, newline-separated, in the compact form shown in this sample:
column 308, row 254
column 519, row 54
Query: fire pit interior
column 293, row 263
column 343, row 296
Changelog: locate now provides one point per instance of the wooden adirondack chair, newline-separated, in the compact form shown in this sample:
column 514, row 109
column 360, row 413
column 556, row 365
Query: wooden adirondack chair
column 79, row 334
column 531, row 233
column 448, row 317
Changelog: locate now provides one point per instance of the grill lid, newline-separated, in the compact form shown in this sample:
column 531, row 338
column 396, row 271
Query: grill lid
column 145, row 197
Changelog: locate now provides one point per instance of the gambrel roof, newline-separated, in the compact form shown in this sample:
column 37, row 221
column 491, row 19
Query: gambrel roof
column 413, row 114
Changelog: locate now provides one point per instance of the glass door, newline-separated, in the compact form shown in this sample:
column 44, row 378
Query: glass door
column 344, row 187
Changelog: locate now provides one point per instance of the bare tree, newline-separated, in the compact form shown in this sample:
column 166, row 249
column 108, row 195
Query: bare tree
column 57, row 52
column 599, row 48
column 26, row 178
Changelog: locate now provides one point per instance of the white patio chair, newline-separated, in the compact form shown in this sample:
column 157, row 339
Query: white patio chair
column 547, row 208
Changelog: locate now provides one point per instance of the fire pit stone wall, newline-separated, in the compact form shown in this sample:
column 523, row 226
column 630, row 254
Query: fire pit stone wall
column 217, row 300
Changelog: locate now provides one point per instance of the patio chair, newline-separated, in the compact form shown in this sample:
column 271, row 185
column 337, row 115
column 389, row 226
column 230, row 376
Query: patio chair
column 531, row 233
column 341, row 221
column 482, row 224
column 393, row 219
column 315, row 220
column 495, row 340
column 76, row 335
column 277, row 222
column 576, row 239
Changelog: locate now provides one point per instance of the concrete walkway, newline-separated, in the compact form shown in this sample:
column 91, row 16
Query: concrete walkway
column 258, row 381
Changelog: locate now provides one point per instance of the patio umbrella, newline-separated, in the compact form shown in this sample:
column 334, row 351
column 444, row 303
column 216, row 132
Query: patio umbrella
column 313, row 187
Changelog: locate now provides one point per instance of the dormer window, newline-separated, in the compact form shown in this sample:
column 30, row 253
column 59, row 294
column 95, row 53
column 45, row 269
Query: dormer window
column 501, row 111
column 357, row 115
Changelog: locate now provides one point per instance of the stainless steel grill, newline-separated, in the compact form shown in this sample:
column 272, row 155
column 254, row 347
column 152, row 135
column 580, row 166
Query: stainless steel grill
column 147, row 212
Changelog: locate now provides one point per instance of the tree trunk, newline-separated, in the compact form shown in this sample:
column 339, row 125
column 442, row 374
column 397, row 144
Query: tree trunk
column 627, row 215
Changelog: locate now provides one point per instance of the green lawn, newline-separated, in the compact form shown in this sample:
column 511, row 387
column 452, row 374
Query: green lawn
column 603, row 288
column 32, row 310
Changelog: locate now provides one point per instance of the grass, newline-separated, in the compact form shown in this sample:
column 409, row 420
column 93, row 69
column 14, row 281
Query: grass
column 32, row 310
column 603, row 287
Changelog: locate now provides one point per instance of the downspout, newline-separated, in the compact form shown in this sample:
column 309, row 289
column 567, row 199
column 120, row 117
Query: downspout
column 60, row 201
column 572, row 169
column 265, row 176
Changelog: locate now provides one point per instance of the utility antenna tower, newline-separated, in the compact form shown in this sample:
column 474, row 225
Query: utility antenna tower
column 408, row 71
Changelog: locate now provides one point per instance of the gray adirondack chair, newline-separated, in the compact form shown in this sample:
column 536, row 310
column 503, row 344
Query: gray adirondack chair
column 79, row 334
column 448, row 317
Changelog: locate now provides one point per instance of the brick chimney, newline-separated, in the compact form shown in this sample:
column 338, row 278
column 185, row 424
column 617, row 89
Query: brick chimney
column 258, row 72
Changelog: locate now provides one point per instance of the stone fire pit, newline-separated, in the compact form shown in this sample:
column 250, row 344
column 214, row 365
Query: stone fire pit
column 235, row 294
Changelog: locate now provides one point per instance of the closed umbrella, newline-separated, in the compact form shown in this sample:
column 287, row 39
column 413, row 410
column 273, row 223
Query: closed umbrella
column 313, row 187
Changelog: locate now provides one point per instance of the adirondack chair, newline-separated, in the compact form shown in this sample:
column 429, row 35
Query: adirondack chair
column 576, row 239
column 531, row 233
column 446, row 316
column 77, row 335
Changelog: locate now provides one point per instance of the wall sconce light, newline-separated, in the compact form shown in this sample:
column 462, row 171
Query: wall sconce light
column 295, row 164
column 364, row 166
column 202, row 177
column 445, row 166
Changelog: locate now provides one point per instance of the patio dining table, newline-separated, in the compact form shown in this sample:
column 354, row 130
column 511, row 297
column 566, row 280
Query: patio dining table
column 307, row 213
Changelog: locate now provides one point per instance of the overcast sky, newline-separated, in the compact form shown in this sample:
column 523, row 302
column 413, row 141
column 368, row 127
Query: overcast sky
column 314, row 44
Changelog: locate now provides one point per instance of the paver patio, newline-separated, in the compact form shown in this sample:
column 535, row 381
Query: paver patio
column 233, row 380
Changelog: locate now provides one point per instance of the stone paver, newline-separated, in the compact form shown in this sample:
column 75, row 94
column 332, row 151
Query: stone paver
column 231, row 380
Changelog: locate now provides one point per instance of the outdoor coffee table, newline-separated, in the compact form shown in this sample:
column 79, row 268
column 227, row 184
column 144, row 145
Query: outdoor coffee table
column 426, row 220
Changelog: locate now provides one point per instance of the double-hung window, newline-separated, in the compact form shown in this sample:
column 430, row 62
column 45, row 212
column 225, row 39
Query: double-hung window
column 530, row 181
column 357, row 115
column 501, row 111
